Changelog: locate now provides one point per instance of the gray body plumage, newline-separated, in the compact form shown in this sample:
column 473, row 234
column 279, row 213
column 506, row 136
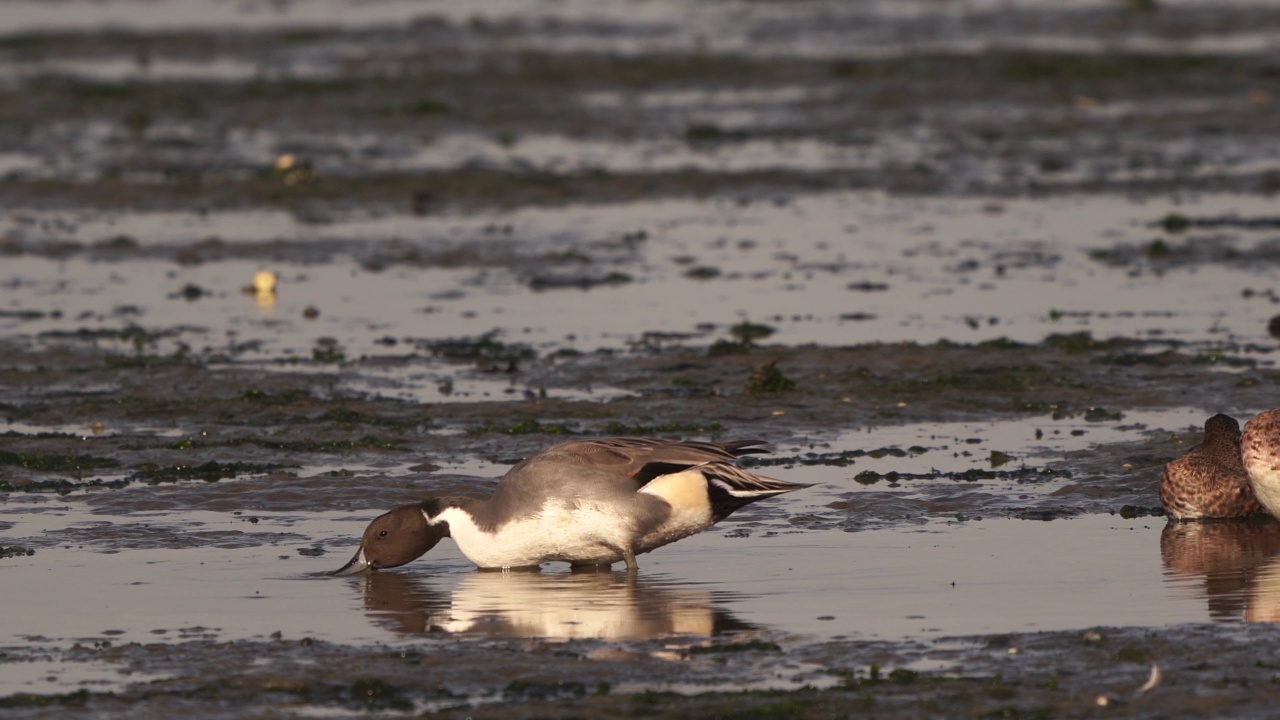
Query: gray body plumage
column 592, row 501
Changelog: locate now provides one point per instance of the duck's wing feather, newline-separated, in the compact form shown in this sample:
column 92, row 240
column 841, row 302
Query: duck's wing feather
column 631, row 453
column 641, row 451
column 745, row 484
column 729, row 487
column 622, row 462
column 609, row 471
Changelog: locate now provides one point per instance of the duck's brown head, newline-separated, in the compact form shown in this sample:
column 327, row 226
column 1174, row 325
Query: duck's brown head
column 393, row 539
column 1222, row 427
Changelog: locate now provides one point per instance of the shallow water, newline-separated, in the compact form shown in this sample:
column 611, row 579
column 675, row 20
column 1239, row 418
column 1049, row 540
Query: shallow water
column 837, row 269
column 247, row 562
column 945, row 578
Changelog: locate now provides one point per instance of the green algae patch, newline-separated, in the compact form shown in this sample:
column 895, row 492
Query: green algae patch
column 368, row 442
column 15, row 551
column 1174, row 223
column 1135, row 655
column 1022, row 474
column 1039, row 67
column 527, row 426
column 778, row 710
column 58, row 487
column 483, row 347
column 375, row 694
column 745, row 335
column 135, row 334
column 749, row 646
column 722, row 347
column 1001, row 343
column 328, row 354
column 1158, row 250
column 580, row 282
column 427, row 106
column 995, row 379
column 211, row 471
column 710, row 133
column 618, row 428
column 769, row 379
column 123, row 362
column 1099, row 414
column 843, row 458
column 867, row 477
column 52, row 462
column 32, row 700
column 1083, row 342
column 903, row 676
column 262, row 397
column 748, row 332
column 524, row 690
column 1063, row 410
column 1220, row 358
column 1130, row 512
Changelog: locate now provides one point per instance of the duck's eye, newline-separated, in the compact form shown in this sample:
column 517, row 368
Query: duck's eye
column 382, row 533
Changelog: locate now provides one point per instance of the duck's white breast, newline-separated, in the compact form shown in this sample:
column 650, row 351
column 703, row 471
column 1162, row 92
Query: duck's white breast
column 1261, row 458
column 556, row 532
column 1264, row 475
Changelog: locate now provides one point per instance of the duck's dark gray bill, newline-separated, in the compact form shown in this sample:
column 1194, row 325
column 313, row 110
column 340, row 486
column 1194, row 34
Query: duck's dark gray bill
column 357, row 564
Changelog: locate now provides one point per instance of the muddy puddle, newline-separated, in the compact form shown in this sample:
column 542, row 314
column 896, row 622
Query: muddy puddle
column 975, row 270
column 834, row 270
column 911, row 534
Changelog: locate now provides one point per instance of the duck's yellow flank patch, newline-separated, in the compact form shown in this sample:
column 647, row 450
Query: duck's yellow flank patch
column 685, row 491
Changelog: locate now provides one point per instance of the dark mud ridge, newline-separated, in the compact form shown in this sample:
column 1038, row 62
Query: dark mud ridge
column 1198, row 672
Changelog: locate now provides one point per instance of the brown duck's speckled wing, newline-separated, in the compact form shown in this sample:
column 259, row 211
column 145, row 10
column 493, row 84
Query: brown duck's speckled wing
column 1209, row 480
column 1197, row 487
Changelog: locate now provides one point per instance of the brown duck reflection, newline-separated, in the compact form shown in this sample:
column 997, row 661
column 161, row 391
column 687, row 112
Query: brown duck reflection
column 1238, row 563
column 601, row 605
column 404, row 603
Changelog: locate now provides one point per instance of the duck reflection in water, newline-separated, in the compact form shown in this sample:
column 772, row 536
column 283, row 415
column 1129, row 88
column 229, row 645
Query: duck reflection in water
column 525, row 604
column 1235, row 566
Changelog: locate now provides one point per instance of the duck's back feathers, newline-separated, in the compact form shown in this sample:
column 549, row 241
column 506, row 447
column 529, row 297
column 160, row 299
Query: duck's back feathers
column 635, row 472
column 634, row 453
column 626, row 463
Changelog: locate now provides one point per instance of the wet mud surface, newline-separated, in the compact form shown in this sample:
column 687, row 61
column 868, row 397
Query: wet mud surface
column 976, row 272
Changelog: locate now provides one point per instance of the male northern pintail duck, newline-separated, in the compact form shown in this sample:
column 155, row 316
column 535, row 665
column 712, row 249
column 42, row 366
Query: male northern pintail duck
column 1209, row 480
column 586, row 502
column 1260, row 452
